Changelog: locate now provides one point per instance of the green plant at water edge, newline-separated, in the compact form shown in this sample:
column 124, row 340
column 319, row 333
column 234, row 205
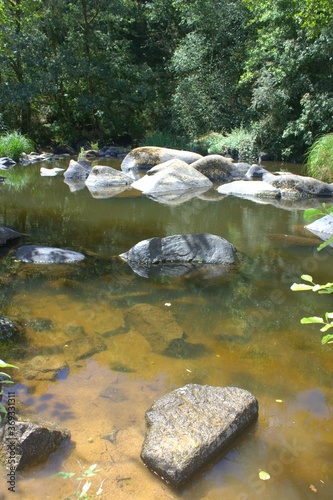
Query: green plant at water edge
column 82, row 489
column 13, row 144
column 327, row 320
column 166, row 140
column 5, row 378
column 240, row 144
column 319, row 159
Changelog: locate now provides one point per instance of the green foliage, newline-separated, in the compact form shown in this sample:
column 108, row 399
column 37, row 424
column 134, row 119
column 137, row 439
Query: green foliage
column 240, row 144
column 5, row 378
column 13, row 144
column 81, row 490
column 309, row 284
column 319, row 158
column 167, row 140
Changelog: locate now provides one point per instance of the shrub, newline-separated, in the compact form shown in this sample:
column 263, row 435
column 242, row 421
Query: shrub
column 319, row 158
column 240, row 144
column 13, row 144
column 167, row 140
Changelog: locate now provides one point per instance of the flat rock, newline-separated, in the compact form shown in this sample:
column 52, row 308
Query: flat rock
column 203, row 248
column 34, row 440
column 258, row 189
column 173, row 175
column 47, row 255
column 7, row 234
column 145, row 157
column 188, row 427
column 44, row 368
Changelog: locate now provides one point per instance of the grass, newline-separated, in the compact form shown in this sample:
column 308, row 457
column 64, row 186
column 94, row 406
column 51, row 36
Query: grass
column 240, row 144
column 166, row 140
column 13, row 144
column 319, row 159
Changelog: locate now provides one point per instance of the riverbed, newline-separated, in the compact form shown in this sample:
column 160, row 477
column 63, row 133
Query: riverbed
column 246, row 320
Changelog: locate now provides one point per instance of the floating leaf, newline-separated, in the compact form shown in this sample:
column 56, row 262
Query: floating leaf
column 299, row 287
column 264, row 476
column 3, row 364
column 311, row 212
column 327, row 339
column 84, row 490
column 307, row 277
column 64, row 475
column 313, row 319
column 326, row 327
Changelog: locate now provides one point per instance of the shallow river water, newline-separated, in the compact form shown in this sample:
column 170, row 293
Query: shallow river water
column 245, row 325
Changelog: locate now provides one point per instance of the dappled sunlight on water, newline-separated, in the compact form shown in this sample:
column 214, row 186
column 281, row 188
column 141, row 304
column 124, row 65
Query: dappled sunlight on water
column 109, row 332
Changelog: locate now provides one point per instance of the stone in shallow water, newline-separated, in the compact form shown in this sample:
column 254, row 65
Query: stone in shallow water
column 187, row 427
column 47, row 255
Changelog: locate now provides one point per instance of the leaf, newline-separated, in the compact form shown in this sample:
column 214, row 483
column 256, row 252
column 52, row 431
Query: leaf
column 64, row 475
column 307, row 277
column 311, row 212
column 326, row 327
column 325, row 244
column 322, row 287
column 264, row 476
column 85, row 488
column 299, row 287
column 312, row 319
column 3, row 364
column 329, row 315
column 3, row 374
column 327, row 339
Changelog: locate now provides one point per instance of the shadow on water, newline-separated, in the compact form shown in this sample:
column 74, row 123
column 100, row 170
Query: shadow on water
column 114, row 340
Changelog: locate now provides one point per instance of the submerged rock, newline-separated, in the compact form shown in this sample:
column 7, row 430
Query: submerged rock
column 145, row 157
column 189, row 426
column 34, row 440
column 10, row 331
column 47, row 255
column 44, row 368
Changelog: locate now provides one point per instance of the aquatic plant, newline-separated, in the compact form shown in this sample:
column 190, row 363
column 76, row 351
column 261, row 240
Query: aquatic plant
column 327, row 319
column 166, row 140
column 319, row 158
column 13, row 144
column 240, row 144
column 5, row 378
column 84, row 484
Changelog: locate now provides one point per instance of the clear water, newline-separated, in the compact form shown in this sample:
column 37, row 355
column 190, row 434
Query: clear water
column 247, row 323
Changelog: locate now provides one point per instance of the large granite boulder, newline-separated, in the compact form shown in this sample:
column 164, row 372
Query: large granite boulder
column 173, row 175
column 103, row 177
column 145, row 157
column 323, row 227
column 47, row 255
column 202, row 248
column 78, row 169
column 246, row 189
column 7, row 234
column 294, row 186
column 220, row 169
column 188, row 427
column 33, row 440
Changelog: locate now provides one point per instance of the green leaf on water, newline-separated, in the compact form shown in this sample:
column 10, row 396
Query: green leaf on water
column 326, row 327
column 264, row 476
column 311, row 212
column 299, row 287
column 307, row 277
column 64, row 475
column 327, row 339
column 312, row 319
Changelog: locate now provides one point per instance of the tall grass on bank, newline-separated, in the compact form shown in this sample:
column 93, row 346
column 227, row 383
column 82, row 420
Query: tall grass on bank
column 240, row 144
column 319, row 159
column 13, row 144
column 166, row 140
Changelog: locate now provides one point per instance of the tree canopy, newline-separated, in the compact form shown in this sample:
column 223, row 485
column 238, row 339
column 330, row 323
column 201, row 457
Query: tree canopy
column 98, row 70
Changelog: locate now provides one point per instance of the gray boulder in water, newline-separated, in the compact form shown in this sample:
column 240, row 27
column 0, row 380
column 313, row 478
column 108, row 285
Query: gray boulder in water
column 47, row 255
column 189, row 426
column 145, row 157
column 202, row 248
column 7, row 234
